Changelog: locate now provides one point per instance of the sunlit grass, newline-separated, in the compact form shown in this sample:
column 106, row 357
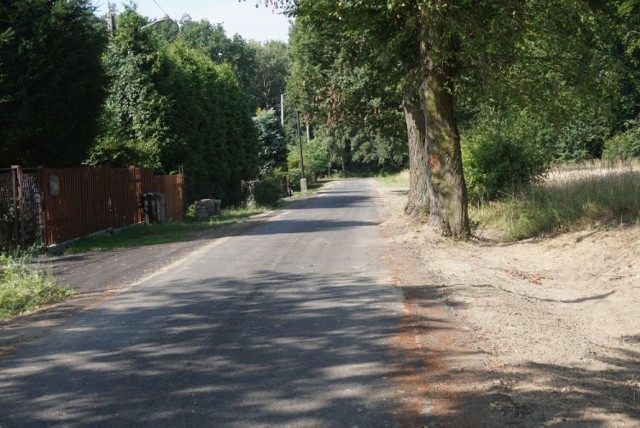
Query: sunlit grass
column 24, row 288
column 142, row 235
column 564, row 205
column 400, row 179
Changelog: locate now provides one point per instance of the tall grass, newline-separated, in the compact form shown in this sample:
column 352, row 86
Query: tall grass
column 400, row 179
column 23, row 287
column 558, row 206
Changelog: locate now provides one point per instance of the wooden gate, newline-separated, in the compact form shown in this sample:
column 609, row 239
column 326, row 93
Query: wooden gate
column 21, row 211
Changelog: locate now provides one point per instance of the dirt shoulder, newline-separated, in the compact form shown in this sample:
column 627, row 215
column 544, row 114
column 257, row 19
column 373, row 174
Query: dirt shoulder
column 537, row 333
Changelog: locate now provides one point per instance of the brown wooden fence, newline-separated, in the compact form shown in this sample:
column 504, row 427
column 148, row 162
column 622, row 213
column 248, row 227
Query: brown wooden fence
column 80, row 201
column 172, row 186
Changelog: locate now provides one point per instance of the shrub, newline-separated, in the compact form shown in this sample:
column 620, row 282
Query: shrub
column 316, row 159
column 267, row 193
column 580, row 141
column 625, row 145
column 502, row 155
column 273, row 146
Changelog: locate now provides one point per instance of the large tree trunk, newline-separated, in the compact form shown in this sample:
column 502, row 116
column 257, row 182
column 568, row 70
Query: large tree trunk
column 448, row 191
column 418, row 200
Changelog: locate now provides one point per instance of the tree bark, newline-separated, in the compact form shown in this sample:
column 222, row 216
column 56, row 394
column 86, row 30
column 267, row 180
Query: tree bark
column 448, row 191
column 419, row 189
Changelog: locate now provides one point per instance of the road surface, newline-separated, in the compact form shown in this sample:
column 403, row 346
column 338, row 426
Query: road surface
column 288, row 324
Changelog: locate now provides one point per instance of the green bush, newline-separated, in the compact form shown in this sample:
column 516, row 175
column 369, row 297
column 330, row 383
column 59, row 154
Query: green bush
column 626, row 145
column 267, row 193
column 23, row 287
column 316, row 159
column 502, row 155
column 294, row 176
column 580, row 141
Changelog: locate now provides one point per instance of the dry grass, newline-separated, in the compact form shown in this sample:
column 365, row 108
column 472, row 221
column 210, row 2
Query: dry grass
column 572, row 197
column 595, row 168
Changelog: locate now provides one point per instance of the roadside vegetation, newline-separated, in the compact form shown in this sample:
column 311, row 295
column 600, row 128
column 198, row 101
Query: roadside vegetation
column 400, row 179
column 568, row 199
column 142, row 235
column 554, row 207
column 24, row 287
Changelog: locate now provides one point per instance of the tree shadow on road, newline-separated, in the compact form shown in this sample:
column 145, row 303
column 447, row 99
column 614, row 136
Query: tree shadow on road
column 271, row 349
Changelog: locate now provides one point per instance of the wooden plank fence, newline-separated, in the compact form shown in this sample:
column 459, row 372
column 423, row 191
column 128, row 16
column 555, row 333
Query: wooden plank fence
column 80, row 201
column 172, row 186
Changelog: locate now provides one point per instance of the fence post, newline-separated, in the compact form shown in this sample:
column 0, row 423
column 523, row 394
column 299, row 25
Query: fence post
column 42, row 224
column 14, row 200
column 136, row 173
column 18, row 203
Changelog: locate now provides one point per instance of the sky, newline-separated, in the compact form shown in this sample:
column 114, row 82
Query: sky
column 260, row 24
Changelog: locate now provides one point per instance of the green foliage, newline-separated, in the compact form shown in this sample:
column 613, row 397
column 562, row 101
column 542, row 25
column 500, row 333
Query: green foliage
column 270, row 73
column 501, row 155
column 381, row 152
column 134, row 126
column 212, row 41
column 625, row 145
column 315, row 156
column 24, row 288
column 267, row 193
column 51, row 81
column 559, row 207
column 271, row 140
column 347, row 83
column 580, row 141
column 170, row 105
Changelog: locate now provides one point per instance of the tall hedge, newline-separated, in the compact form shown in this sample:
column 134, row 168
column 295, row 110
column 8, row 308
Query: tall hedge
column 51, row 81
column 170, row 106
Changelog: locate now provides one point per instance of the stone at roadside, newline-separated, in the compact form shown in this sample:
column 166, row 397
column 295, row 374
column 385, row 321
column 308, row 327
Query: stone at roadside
column 207, row 208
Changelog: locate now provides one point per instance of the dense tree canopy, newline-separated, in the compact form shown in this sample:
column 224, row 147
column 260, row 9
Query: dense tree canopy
column 51, row 81
column 457, row 86
column 347, row 85
column 170, row 106
column 556, row 71
column 270, row 74
column 272, row 142
column 211, row 40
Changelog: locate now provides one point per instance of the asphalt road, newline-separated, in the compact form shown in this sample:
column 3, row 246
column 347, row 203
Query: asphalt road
column 289, row 324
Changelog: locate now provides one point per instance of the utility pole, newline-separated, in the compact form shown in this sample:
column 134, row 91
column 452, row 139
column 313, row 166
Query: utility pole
column 303, row 179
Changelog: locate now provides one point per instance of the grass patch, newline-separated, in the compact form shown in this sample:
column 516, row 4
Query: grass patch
column 555, row 207
column 312, row 188
column 24, row 288
column 400, row 179
column 142, row 235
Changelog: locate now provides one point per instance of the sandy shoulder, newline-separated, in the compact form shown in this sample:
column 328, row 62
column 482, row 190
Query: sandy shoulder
column 553, row 326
